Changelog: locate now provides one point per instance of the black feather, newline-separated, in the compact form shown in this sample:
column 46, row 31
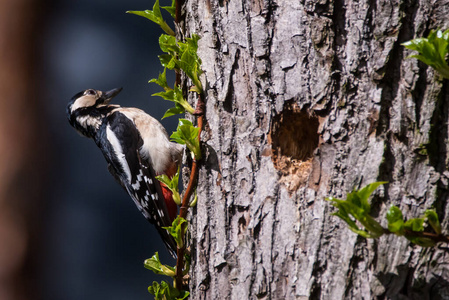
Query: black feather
column 142, row 186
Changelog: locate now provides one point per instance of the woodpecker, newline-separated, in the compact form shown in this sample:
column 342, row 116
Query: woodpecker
column 136, row 147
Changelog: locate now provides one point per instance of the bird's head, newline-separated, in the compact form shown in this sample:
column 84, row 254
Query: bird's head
column 91, row 99
column 84, row 110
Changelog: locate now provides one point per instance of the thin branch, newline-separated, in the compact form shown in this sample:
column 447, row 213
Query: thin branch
column 188, row 194
column 194, row 171
column 429, row 235
column 421, row 234
column 178, row 11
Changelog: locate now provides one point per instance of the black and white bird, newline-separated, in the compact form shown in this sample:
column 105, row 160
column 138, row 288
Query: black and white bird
column 136, row 147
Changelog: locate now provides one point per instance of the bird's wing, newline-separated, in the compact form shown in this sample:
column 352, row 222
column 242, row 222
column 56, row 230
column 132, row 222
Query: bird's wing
column 134, row 173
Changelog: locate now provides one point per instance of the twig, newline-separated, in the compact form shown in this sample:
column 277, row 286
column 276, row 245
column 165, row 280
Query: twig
column 199, row 112
column 421, row 234
column 179, row 4
column 433, row 236
column 188, row 193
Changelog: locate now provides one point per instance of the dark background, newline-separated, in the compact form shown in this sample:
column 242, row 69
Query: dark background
column 91, row 240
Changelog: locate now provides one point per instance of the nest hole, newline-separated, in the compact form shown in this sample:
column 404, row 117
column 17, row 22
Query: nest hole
column 294, row 138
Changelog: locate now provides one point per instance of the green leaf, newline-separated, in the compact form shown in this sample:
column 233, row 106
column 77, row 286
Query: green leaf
column 433, row 220
column 193, row 42
column 395, row 219
column 343, row 214
column 362, row 233
column 157, row 290
column 155, row 16
column 164, row 179
column 356, row 208
column 432, row 50
column 373, row 227
column 414, row 44
column 176, row 96
column 174, row 111
column 428, row 51
column 189, row 64
column 168, row 61
column 162, row 80
column 441, row 48
column 172, row 185
column 445, row 35
column 167, row 95
column 366, row 192
column 155, row 265
column 189, row 61
column 423, row 59
column 423, row 242
column 194, row 201
column 176, row 230
column 179, row 98
column 168, row 44
column 171, row 9
column 183, row 295
column 416, row 224
column 182, row 56
column 165, row 291
column 150, row 15
column 187, row 134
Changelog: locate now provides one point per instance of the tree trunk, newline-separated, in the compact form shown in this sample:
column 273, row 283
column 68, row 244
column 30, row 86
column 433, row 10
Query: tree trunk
column 304, row 100
column 21, row 142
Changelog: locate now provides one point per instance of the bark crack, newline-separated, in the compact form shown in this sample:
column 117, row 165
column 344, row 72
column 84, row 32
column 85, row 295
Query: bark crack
column 318, row 265
column 273, row 239
column 391, row 81
column 339, row 22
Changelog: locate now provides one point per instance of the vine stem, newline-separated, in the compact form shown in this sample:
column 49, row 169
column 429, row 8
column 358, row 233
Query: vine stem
column 178, row 4
column 199, row 112
column 433, row 236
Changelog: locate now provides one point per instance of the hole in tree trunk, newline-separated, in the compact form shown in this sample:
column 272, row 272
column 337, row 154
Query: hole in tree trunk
column 294, row 137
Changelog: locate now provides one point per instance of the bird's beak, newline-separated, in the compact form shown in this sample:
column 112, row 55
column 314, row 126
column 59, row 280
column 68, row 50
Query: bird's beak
column 107, row 96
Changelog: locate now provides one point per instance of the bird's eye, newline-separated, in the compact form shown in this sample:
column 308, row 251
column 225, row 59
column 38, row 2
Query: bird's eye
column 90, row 92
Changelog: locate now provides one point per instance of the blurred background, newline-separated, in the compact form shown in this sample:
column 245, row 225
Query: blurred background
column 67, row 229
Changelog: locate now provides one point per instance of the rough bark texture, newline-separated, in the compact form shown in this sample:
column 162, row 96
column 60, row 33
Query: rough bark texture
column 277, row 72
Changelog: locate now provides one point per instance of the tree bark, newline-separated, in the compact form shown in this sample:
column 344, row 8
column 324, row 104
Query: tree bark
column 304, row 100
